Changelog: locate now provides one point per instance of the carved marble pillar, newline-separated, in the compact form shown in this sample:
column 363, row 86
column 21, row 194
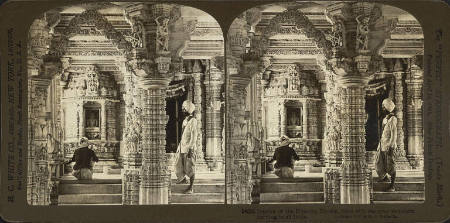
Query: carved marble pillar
column 103, row 122
column 414, row 81
column 282, row 112
column 198, row 101
column 154, row 187
column 353, row 39
column 354, row 182
column 240, row 180
column 132, row 137
column 38, row 169
column 305, row 119
column 400, row 153
column 332, row 137
column 214, row 119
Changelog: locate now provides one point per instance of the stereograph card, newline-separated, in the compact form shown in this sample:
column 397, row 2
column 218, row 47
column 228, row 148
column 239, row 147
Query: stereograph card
column 224, row 111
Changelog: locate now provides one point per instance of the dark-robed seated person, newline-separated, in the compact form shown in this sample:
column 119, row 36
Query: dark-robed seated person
column 83, row 158
column 284, row 157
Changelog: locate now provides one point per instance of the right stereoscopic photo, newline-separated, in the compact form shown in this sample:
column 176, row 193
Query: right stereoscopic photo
column 324, row 105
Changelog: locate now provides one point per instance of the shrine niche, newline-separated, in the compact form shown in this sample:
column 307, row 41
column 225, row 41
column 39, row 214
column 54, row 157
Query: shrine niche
column 90, row 101
column 92, row 116
column 291, row 107
column 294, row 118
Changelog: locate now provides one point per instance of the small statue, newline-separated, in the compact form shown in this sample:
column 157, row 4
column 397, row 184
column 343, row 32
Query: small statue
column 362, row 34
column 162, row 34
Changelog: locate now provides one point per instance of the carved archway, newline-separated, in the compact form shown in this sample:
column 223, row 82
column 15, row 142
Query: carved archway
column 301, row 22
column 91, row 16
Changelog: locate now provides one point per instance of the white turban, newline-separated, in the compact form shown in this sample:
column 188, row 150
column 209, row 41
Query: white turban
column 284, row 140
column 189, row 106
column 388, row 104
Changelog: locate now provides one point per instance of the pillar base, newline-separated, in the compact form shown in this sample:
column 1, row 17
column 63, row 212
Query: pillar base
column 149, row 196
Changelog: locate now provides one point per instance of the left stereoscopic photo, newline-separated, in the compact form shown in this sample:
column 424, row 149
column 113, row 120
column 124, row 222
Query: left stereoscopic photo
column 125, row 106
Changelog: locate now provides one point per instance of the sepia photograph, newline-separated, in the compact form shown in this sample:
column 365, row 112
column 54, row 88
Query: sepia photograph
column 333, row 106
column 224, row 111
column 126, row 106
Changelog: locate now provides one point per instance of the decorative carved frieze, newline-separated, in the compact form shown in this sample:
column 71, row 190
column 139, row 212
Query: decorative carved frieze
column 300, row 24
column 91, row 17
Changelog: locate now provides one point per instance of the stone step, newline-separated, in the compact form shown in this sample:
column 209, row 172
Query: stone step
column 90, row 189
column 200, row 188
column 180, row 198
column 113, row 204
column 400, row 186
column 90, row 199
column 93, row 181
column 274, row 187
column 398, row 202
column 297, row 179
column 404, row 179
column 205, row 181
column 292, row 197
column 295, row 202
column 399, row 196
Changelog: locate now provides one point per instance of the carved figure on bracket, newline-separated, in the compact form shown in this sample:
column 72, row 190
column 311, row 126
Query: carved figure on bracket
column 362, row 33
column 137, row 37
column 336, row 36
column 162, row 33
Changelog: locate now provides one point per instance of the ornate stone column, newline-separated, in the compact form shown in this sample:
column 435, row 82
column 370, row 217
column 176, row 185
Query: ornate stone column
column 332, row 137
column 414, row 82
column 238, row 172
column 354, row 183
column 154, row 183
column 305, row 119
column 282, row 112
column 214, row 119
column 38, row 187
column 198, row 76
column 103, row 122
column 400, row 153
column 355, row 47
column 38, row 175
column 132, row 137
column 151, row 63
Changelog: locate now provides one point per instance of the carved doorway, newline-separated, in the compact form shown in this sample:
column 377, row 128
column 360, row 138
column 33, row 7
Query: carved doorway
column 375, row 115
column 175, row 122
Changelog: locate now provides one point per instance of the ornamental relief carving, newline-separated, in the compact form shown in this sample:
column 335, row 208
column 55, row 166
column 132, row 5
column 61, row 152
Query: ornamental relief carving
column 90, row 83
column 89, row 17
column 300, row 22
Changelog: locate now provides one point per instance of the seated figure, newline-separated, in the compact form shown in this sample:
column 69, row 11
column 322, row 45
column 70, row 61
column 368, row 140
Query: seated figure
column 83, row 158
column 284, row 157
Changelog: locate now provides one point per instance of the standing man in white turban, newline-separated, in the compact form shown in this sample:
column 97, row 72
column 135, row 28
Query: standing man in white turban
column 185, row 165
column 385, row 163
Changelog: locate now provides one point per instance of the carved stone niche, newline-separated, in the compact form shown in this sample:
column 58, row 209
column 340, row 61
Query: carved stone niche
column 293, row 119
column 91, row 111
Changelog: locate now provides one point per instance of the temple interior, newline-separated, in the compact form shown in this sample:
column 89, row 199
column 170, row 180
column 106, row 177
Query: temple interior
column 317, row 72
